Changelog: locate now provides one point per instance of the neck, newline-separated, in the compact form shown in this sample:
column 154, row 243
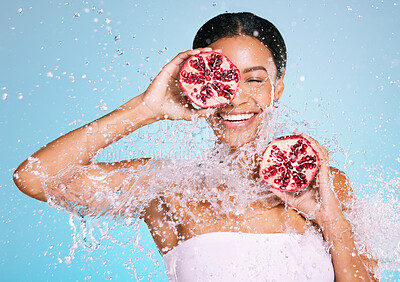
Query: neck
column 243, row 158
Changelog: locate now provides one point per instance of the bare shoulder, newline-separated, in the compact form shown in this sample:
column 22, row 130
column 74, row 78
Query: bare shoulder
column 342, row 185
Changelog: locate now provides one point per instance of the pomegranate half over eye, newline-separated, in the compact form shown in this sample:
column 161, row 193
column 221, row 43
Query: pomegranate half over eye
column 289, row 163
column 209, row 79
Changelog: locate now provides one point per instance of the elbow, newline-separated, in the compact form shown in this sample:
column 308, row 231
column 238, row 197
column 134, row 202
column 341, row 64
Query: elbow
column 18, row 176
column 28, row 182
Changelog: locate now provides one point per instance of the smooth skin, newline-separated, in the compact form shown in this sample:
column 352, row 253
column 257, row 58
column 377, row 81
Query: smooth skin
column 168, row 218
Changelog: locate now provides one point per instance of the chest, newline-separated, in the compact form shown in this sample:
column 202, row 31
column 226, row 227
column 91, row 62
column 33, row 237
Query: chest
column 204, row 218
column 172, row 220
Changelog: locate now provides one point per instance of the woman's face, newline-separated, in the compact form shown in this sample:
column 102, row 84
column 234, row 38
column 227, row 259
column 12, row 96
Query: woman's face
column 238, row 122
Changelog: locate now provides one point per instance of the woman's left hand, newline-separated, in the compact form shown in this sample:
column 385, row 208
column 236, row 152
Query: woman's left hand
column 318, row 202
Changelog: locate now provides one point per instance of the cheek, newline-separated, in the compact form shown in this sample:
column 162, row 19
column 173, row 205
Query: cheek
column 263, row 98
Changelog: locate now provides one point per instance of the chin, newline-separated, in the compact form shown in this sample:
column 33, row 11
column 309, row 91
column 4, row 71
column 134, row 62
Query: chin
column 236, row 139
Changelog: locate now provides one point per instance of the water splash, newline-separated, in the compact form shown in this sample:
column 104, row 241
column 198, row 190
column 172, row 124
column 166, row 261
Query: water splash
column 189, row 165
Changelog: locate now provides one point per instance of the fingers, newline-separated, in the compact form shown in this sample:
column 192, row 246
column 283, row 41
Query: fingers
column 183, row 56
column 306, row 203
column 321, row 151
column 284, row 196
column 324, row 181
column 173, row 67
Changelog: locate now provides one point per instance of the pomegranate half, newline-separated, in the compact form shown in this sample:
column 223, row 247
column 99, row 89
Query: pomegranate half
column 209, row 79
column 289, row 163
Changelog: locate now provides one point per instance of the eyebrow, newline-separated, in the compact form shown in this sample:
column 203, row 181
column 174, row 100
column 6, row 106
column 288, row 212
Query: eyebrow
column 255, row 68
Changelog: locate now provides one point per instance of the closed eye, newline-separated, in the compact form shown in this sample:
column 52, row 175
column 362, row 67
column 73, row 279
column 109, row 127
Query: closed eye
column 255, row 80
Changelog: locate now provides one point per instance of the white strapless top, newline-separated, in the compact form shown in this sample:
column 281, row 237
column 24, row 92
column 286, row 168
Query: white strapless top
column 229, row 256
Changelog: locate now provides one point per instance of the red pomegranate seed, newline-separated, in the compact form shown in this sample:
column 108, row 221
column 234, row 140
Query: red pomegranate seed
column 209, row 79
column 289, row 163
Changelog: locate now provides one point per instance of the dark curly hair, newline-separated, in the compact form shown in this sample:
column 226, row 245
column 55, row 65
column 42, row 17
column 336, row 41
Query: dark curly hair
column 234, row 24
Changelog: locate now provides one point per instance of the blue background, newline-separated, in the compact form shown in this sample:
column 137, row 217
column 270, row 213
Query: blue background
column 64, row 64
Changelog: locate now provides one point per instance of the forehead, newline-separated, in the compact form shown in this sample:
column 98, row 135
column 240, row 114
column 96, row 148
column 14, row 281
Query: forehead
column 246, row 52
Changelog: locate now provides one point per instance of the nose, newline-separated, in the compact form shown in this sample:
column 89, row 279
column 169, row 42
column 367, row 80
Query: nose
column 241, row 97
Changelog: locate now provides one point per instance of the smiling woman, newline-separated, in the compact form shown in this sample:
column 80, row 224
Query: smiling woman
column 239, row 122
column 285, row 236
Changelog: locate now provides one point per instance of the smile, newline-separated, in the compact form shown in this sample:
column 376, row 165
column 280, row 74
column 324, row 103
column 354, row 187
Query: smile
column 236, row 117
column 236, row 121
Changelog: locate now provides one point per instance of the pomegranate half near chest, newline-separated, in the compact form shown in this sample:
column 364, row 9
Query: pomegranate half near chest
column 289, row 163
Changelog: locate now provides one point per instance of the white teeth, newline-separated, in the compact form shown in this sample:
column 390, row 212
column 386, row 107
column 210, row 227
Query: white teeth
column 236, row 117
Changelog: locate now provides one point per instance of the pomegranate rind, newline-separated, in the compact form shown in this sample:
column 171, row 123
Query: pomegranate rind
column 275, row 166
column 212, row 82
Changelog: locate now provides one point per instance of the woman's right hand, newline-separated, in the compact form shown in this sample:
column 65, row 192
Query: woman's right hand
column 164, row 96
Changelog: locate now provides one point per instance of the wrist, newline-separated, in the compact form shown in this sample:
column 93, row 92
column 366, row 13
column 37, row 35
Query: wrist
column 334, row 228
column 139, row 111
column 152, row 107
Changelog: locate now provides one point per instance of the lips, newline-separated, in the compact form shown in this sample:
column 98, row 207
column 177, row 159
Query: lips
column 236, row 120
column 236, row 117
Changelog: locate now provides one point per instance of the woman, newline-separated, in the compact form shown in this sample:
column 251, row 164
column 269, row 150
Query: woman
column 197, row 240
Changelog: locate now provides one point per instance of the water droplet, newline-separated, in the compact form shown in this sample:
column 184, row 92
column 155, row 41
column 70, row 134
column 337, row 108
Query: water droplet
column 77, row 15
column 163, row 50
column 107, row 20
column 5, row 95
column 214, row 4
column 49, row 74
column 100, row 11
column 117, row 37
column 147, row 59
column 20, row 10
column 302, row 78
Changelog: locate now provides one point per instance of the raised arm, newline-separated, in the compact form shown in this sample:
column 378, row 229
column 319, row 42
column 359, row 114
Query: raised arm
column 322, row 205
column 70, row 156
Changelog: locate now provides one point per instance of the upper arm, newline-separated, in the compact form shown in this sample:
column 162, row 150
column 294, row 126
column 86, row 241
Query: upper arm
column 345, row 194
column 89, row 189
